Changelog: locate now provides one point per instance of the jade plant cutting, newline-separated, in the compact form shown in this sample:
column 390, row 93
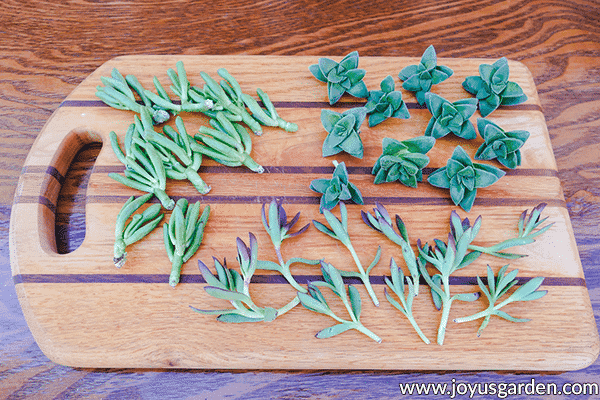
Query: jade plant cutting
column 492, row 87
column 403, row 161
column 342, row 77
column 421, row 77
column 385, row 103
column 450, row 117
column 315, row 301
column 183, row 235
column 463, row 177
column 234, row 287
column 499, row 144
column 343, row 131
column 338, row 188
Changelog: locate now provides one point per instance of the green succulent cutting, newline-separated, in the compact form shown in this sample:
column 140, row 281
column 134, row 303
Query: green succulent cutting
column 499, row 144
column 338, row 188
column 421, row 77
column 342, row 77
column 450, row 117
column 463, row 177
column 386, row 103
column 343, row 131
column 403, row 161
column 492, row 87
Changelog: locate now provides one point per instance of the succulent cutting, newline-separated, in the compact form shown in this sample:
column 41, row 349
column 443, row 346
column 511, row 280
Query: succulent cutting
column 403, row 161
column 342, row 77
column 421, row 77
column 492, row 87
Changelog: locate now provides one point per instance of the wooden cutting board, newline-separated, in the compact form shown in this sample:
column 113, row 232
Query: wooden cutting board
column 84, row 312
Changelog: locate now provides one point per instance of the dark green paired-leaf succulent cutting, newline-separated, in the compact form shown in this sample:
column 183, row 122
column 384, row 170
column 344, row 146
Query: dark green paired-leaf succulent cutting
column 403, row 161
column 129, row 231
column 492, row 87
column 315, row 301
column 450, row 117
column 342, row 77
column 338, row 188
column 421, row 77
column 499, row 144
column 463, row 177
column 496, row 288
column 230, row 285
column 183, row 235
column 385, row 103
column 343, row 131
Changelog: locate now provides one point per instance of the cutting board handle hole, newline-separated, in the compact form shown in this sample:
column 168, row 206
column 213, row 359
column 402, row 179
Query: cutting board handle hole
column 69, row 224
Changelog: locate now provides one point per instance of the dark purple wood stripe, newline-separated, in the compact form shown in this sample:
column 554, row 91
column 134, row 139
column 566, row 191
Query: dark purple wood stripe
column 263, row 279
column 326, row 170
column 208, row 199
column 50, row 170
column 304, row 104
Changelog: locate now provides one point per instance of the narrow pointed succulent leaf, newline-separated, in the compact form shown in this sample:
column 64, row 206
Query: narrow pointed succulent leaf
column 333, row 331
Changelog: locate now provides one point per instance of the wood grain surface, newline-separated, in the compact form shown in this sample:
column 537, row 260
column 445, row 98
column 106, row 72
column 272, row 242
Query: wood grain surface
column 48, row 48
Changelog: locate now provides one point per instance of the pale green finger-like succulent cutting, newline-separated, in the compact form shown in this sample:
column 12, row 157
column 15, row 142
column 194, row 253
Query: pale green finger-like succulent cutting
column 144, row 168
column 183, row 235
column 181, row 162
column 117, row 93
column 227, row 143
column 129, row 231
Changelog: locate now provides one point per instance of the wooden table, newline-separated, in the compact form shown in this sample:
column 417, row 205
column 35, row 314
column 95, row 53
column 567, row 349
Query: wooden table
column 50, row 47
